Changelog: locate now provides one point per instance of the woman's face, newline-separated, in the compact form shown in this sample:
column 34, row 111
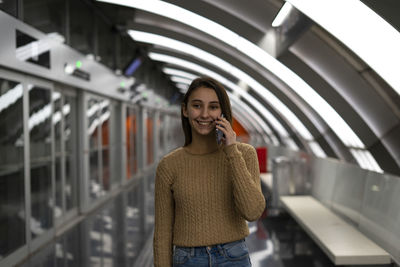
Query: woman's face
column 202, row 109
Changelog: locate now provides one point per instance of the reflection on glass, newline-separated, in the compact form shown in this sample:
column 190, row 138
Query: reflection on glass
column 41, row 162
column 110, row 214
column 95, row 186
column 129, row 145
column 161, row 123
column 12, row 197
column 110, row 236
column 93, row 122
column 134, row 236
column 149, row 152
column 131, row 163
column 57, row 121
column 105, row 142
column 70, row 157
column 58, row 211
column 106, row 169
column 96, row 242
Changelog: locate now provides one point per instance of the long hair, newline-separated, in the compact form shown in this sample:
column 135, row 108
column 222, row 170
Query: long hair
column 223, row 99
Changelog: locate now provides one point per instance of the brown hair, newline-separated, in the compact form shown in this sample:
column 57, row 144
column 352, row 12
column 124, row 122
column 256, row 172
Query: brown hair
column 223, row 99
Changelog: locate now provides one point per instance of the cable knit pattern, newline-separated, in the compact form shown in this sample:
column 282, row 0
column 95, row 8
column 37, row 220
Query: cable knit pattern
column 203, row 200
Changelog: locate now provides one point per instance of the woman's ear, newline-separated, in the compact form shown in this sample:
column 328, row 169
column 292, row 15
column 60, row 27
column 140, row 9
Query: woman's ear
column 184, row 110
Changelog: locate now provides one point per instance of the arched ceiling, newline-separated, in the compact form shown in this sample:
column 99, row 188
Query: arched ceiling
column 330, row 74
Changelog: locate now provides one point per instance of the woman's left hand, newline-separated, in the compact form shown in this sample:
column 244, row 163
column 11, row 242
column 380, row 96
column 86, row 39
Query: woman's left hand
column 230, row 135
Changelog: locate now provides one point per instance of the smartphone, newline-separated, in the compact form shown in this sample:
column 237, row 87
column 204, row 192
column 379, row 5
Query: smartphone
column 219, row 133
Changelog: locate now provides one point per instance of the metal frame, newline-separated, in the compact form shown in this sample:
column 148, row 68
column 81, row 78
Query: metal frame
column 68, row 214
column 38, row 241
column 23, row 251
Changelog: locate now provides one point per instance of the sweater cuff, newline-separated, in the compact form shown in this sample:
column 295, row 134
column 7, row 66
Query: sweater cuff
column 232, row 150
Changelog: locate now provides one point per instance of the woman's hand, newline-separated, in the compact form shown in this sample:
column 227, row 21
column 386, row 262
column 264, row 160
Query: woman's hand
column 224, row 126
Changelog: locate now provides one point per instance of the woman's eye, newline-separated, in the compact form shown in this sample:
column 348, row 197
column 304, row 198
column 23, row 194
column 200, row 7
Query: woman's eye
column 214, row 107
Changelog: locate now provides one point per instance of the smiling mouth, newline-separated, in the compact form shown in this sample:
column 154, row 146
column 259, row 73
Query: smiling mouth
column 204, row 123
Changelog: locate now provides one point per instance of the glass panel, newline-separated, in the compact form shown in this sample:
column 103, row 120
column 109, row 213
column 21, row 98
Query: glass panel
column 133, row 140
column 70, row 154
column 57, row 118
column 110, row 240
column 9, row 6
column 12, row 197
column 46, row 15
column 129, row 144
column 134, row 232
column 95, row 187
column 105, row 142
column 161, row 123
column 105, row 120
column 106, row 169
column 93, row 122
column 96, row 239
column 149, row 152
column 57, row 121
column 41, row 162
column 59, row 206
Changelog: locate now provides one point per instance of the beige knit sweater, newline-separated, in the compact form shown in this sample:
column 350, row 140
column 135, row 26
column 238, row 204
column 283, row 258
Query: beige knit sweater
column 203, row 200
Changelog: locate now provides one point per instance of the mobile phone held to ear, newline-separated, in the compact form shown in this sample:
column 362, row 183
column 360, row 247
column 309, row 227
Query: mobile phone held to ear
column 219, row 133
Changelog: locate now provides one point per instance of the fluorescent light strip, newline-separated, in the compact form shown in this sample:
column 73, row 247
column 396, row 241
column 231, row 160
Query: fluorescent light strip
column 317, row 150
column 234, row 87
column 10, row 97
column 183, row 87
column 338, row 125
column 181, row 73
column 225, row 66
column 365, row 160
column 177, row 79
column 282, row 14
column 362, row 30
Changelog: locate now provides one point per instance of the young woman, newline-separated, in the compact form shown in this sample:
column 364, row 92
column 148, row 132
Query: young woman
column 205, row 191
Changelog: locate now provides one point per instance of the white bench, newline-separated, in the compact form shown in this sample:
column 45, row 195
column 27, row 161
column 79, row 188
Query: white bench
column 342, row 242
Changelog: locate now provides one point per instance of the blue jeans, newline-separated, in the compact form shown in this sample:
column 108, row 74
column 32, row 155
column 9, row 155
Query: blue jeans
column 233, row 254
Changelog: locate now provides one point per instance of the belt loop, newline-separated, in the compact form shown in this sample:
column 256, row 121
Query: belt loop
column 220, row 249
column 192, row 251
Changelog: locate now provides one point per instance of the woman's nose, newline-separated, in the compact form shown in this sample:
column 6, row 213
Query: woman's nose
column 204, row 113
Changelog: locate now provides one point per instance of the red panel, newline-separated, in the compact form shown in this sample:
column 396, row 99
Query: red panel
column 262, row 158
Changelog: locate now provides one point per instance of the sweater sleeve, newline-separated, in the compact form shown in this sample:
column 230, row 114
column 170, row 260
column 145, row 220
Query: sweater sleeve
column 248, row 197
column 164, row 217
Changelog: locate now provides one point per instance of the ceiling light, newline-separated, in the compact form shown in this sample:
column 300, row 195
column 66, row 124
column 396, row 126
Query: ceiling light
column 189, row 65
column 225, row 66
column 181, row 73
column 343, row 131
column 372, row 38
column 177, row 79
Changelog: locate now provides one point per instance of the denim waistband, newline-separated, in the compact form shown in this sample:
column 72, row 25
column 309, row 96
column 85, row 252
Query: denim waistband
column 196, row 251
